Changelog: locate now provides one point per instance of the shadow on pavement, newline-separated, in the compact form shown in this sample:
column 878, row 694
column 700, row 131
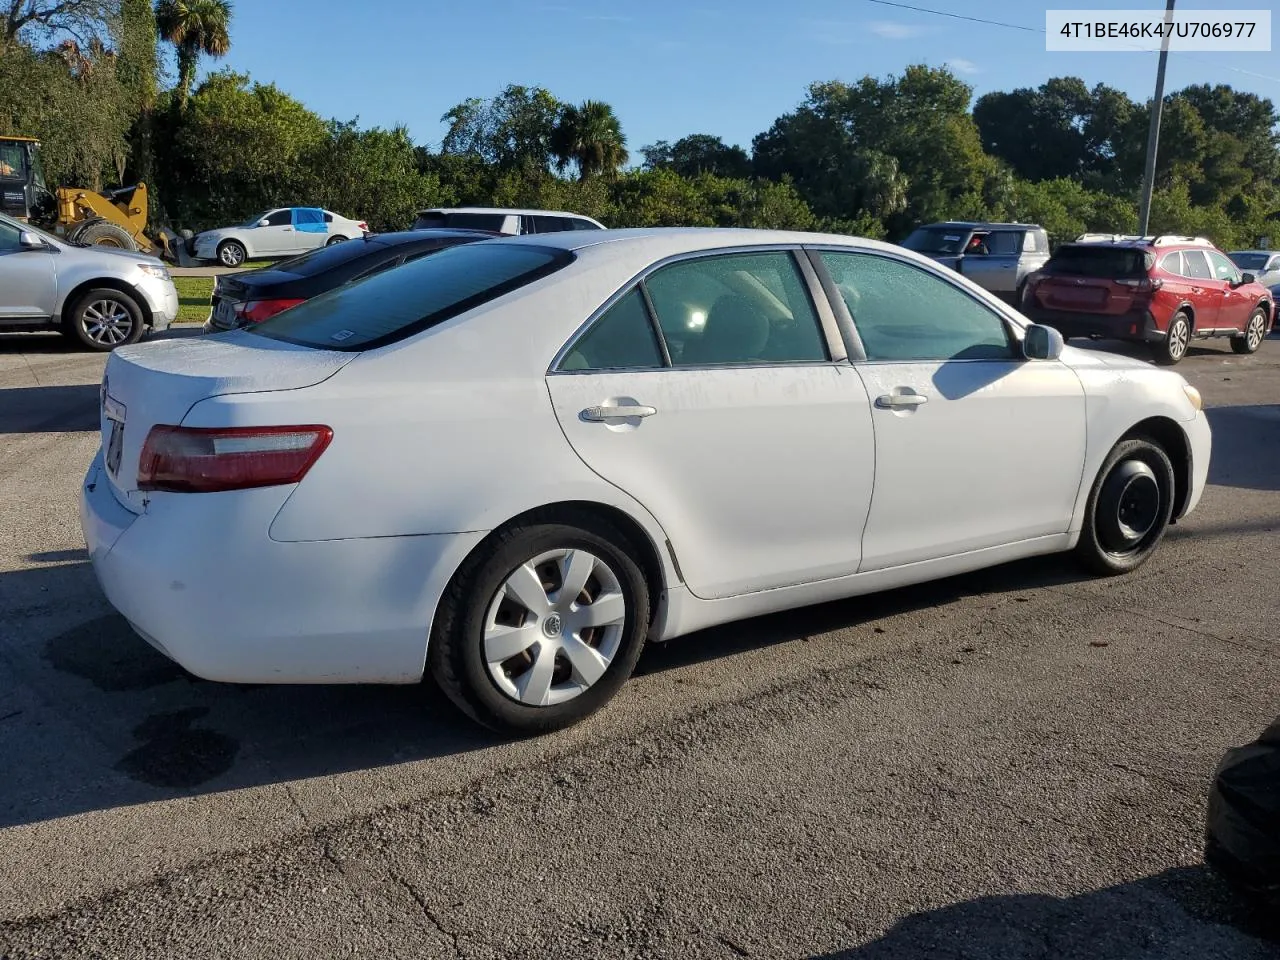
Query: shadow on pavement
column 49, row 409
column 1246, row 446
column 1182, row 914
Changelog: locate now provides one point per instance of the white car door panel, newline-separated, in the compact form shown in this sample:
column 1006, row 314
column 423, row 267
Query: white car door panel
column 760, row 476
column 981, row 454
column 976, row 446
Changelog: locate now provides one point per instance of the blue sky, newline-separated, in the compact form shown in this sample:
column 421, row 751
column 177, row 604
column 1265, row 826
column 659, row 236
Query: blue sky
column 672, row 67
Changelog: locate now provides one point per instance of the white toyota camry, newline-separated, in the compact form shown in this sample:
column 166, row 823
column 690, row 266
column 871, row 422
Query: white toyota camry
column 512, row 463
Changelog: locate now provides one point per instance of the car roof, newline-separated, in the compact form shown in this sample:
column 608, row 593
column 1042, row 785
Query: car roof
column 506, row 211
column 655, row 243
column 431, row 233
column 985, row 224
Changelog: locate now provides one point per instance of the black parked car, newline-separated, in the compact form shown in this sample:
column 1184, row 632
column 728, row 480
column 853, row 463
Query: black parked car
column 240, row 299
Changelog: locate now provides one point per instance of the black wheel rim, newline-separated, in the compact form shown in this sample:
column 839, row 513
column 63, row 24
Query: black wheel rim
column 1127, row 516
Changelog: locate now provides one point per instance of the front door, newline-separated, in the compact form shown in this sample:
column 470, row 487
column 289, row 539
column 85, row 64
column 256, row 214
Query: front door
column 278, row 237
column 1206, row 291
column 995, row 266
column 976, row 446
column 729, row 422
column 28, row 278
column 1237, row 305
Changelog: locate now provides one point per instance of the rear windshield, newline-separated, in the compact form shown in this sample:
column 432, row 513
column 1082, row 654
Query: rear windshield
column 427, row 221
column 395, row 304
column 937, row 239
column 321, row 260
column 1087, row 260
column 1250, row 261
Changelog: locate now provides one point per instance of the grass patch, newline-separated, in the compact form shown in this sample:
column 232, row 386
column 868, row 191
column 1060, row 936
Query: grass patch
column 193, row 298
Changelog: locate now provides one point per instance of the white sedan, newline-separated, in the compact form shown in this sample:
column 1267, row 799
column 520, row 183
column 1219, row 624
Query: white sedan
column 283, row 232
column 513, row 463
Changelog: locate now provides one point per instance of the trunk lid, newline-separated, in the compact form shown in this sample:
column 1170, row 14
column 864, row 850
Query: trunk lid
column 1083, row 295
column 159, row 382
column 1095, row 278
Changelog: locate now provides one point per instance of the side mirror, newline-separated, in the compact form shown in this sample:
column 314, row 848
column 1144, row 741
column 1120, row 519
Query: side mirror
column 1247, row 278
column 1042, row 343
column 30, row 241
column 264, row 222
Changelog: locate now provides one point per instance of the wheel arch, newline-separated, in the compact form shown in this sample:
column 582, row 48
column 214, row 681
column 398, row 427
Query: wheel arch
column 1170, row 437
column 1184, row 307
column 108, row 283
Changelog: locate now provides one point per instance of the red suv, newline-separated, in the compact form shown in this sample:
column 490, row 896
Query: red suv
column 1158, row 290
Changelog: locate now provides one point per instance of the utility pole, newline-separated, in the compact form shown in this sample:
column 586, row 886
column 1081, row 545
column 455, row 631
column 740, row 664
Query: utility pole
column 1153, row 132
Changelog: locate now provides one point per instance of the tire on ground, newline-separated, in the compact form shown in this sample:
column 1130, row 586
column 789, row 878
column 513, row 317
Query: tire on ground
column 96, row 313
column 1119, row 505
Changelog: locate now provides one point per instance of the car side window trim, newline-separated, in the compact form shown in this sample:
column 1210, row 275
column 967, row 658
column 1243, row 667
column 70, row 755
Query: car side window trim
column 832, row 339
column 1014, row 327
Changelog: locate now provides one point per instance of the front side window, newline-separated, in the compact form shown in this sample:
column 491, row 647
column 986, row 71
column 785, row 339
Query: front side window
column 395, row 304
column 1196, row 264
column 12, row 165
column 748, row 308
column 10, row 237
column 279, row 218
column 1223, row 269
column 904, row 313
column 622, row 338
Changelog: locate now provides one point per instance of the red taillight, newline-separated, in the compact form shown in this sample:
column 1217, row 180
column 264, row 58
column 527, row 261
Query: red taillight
column 255, row 311
column 204, row 459
column 364, row 227
column 1144, row 285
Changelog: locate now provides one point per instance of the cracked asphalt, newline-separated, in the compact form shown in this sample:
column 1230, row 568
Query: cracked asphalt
column 1006, row 765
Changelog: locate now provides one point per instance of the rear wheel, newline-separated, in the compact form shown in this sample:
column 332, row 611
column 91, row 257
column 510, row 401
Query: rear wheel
column 539, row 630
column 106, row 234
column 336, row 238
column 1174, row 346
column 104, row 319
column 231, row 253
column 1254, row 333
column 1129, row 508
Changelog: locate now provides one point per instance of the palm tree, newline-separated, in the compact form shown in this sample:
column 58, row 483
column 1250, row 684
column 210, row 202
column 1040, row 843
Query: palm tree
column 194, row 27
column 590, row 136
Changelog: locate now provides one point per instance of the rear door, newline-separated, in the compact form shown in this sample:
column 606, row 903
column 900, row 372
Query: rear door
column 309, row 229
column 995, row 268
column 734, row 426
column 1206, row 291
column 28, row 278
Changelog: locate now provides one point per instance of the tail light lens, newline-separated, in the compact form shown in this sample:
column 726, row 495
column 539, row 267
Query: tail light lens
column 206, row 460
column 1143, row 285
column 255, row 311
column 364, row 226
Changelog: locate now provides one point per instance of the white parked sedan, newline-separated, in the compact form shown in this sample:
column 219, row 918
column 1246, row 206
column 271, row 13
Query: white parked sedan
column 284, row 232
column 514, row 462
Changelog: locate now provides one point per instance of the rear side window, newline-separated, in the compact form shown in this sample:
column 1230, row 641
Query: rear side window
column 1004, row 243
column 545, row 224
column 1035, row 241
column 1172, row 263
column 477, row 221
column 622, row 339
column 328, row 217
column 1099, row 260
column 395, row 304
column 579, row 224
column 1197, row 265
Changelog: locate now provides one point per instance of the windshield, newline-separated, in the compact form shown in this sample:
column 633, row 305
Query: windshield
column 395, row 304
column 1250, row 261
column 937, row 239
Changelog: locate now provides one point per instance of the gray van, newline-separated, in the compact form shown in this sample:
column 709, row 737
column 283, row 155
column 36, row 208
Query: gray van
column 995, row 256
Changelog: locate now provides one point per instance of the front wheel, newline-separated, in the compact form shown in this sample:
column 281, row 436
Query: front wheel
column 104, row 319
column 1255, row 331
column 1174, row 346
column 1129, row 508
column 540, row 629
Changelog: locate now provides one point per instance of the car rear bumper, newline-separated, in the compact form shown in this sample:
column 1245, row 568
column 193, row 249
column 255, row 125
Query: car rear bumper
column 197, row 576
column 1135, row 325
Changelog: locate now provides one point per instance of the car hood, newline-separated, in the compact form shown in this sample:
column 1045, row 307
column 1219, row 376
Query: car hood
column 133, row 255
column 219, row 234
column 1085, row 359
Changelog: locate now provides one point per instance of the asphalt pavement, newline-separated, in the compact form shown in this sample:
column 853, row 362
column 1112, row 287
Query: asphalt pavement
column 1006, row 765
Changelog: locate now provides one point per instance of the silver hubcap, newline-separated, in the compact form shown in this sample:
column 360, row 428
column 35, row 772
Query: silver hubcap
column 1255, row 333
column 232, row 255
column 1178, row 337
column 107, row 322
column 553, row 627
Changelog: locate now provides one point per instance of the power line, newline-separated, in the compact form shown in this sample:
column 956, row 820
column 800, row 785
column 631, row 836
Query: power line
column 955, row 16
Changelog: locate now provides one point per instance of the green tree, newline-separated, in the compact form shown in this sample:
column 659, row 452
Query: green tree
column 84, row 21
column 138, row 67
column 698, row 153
column 590, row 137
column 512, row 131
column 194, row 27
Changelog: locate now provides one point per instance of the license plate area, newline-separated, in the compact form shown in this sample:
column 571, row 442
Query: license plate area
column 224, row 313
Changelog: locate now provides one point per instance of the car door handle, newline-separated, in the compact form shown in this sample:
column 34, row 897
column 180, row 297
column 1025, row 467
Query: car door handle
column 602, row 413
column 900, row 401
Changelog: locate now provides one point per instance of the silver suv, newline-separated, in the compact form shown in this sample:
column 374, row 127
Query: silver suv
column 996, row 256
column 101, row 296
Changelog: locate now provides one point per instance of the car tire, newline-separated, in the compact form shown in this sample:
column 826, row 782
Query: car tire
column 103, row 319
column 507, row 593
column 1177, row 338
column 1129, row 508
column 106, row 234
column 337, row 238
column 231, row 253
column 1255, row 331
